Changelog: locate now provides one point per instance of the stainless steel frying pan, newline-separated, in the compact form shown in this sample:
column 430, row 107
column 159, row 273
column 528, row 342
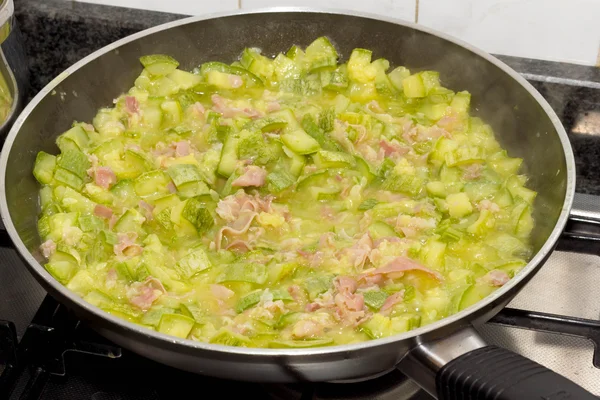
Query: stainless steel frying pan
column 446, row 357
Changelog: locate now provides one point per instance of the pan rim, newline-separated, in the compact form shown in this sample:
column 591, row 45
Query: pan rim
column 139, row 331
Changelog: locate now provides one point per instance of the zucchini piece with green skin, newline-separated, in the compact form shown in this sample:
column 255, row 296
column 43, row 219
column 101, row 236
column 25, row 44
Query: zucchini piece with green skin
column 192, row 311
column 409, row 184
column 336, row 80
column 82, row 282
column 397, row 75
column 253, row 298
column 379, row 229
column 130, row 221
column 317, row 285
column 516, row 189
column 267, row 124
column 193, row 189
column 159, row 64
column 44, row 166
column 253, row 146
column 73, row 201
column 279, row 180
column 377, row 327
column 65, row 177
column 75, row 138
column 124, row 193
column 359, row 66
column 324, row 159
column 185, row 80
column 229, row 156
column 153, row 316
column 62, row 266
column 228, row 338
column 464, row 155
column 151, row 183
column 258, row 64
column 413, row 86
column 300, row 344
column 375, row 298
column 198, row 214
column 176, row 325
column 244, row 272
column 250, row 80
column 194, row 262
column 75, row 162
column 320, row 54
column 184, row 173
column 300, row 142
column 368, row 204
column 324, row 140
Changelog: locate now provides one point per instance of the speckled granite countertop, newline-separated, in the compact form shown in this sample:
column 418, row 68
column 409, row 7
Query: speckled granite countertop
column 60, row 32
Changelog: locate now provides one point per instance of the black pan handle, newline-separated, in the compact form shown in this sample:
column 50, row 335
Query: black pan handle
column 461, row 366
column 492, row 372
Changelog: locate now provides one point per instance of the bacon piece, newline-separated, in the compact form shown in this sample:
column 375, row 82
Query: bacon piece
column 393, row 148
column 104, row 177
column 182, row 148
column 398, row 266
column 131, row 105
column 126, row 245
column 147, row 209
column 252, row 176
column 488, row 205
column 307, row 328
column 103, row 211
column 143, row 294
column 221, row 292
column 48, row 248
column 496, row 277
column 391, row 301
column 235, row 81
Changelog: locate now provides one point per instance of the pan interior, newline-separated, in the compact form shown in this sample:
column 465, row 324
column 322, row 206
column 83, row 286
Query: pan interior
column 521, row 124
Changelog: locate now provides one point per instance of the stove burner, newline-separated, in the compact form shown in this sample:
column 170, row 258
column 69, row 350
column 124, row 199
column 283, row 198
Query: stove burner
column 393, row 385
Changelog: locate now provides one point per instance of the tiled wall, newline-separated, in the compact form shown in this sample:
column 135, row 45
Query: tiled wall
column 556, row 30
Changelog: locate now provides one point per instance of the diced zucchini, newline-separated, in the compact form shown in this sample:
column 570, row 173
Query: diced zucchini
column 375, row 298
column 253, row 298
column 131, row 221
column 75, row 162
column 159, row 64
column 459, row 205
column 379, row 229
column 63, row 176
column 324, row 159
column 397, row 75
column 229, row 156
column 300, row 142
column 319, row 54
column 176, row 325
column 413, row 86
column 198, row 214
column 229, row 338
column 43, row 169
column 151, row 183
column 359, row 66
column 244, row 272
column 194, row 262
column 184, row 173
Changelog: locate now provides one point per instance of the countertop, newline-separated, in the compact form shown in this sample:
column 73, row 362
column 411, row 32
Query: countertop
column 58, row 33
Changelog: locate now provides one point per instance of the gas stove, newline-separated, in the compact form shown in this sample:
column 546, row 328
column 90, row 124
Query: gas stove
column 47, row 353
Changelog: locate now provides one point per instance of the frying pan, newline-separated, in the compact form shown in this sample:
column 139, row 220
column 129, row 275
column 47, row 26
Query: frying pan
column 447, row 357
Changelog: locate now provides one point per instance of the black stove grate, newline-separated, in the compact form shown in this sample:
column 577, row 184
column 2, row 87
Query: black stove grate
column 59, row 357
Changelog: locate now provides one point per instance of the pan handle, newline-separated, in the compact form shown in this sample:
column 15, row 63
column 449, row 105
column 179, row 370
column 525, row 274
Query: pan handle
column 582, row 232
column 462, row 366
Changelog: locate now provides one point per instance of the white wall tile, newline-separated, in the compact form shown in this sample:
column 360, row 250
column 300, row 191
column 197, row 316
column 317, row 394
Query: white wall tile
column 402, row 9
column 188, row 7
column 555, row 30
